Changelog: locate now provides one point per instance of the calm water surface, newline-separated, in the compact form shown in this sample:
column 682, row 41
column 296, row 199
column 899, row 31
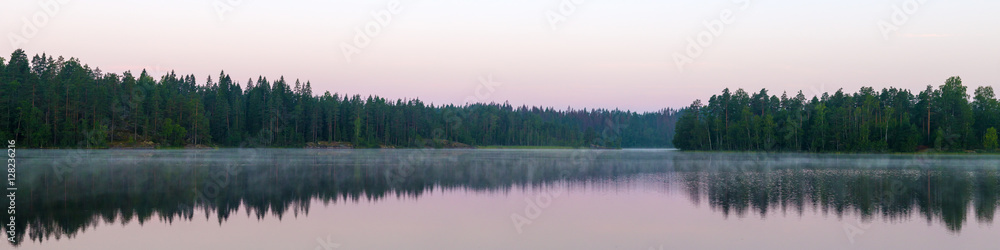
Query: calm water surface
column 502, row 199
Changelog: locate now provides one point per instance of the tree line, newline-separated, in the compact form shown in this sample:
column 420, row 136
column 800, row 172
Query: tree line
column 892, row 120
column 58, row 103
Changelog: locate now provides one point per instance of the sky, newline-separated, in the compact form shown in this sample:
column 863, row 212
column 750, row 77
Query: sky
column 639, row 55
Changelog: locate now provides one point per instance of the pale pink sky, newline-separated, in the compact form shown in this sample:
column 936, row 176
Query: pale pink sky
column 604, row 54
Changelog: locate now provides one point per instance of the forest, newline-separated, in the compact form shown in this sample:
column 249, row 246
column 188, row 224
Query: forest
column 939, row 119
column 58, row 103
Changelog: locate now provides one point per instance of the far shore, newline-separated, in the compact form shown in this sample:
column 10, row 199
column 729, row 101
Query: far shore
column 499, row 147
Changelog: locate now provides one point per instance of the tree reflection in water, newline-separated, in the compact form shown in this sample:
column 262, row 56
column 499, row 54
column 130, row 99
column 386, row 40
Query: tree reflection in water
column 66, row 192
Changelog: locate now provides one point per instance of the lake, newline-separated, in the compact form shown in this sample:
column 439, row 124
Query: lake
column 503, row 199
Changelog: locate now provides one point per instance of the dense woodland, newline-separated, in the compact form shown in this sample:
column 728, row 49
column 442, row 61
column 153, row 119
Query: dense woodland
column 55, row 103
column 892, row 120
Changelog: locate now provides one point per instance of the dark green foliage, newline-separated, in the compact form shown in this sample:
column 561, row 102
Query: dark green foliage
column 63, row 103
column 893, row 120
column 990, row 139
column 172, row 134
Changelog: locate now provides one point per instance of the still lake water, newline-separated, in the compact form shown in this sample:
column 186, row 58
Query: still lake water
column 502, row 199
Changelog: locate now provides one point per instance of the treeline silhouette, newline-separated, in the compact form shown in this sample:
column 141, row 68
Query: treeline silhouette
column 893, row 120
column 63, row 103
column 68, row 191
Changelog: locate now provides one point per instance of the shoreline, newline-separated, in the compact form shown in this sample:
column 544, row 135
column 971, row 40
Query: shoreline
column 343, row 148
column 540, row 148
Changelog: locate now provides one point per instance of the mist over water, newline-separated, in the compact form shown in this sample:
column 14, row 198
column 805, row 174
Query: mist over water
column 359, row 198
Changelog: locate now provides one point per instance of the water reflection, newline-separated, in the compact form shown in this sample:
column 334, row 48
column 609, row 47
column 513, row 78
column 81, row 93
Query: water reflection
column 66, row 192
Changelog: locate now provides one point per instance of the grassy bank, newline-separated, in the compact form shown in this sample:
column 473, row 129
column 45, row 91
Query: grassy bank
column 526, row 147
